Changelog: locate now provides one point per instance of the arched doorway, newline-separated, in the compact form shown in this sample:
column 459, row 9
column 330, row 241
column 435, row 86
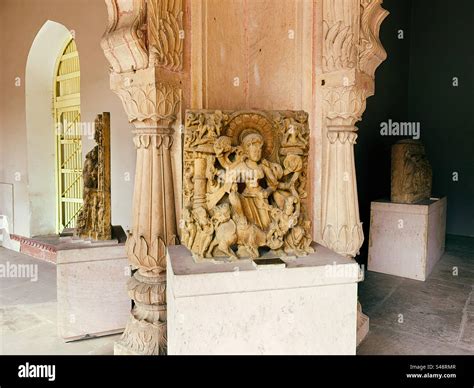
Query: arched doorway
column 44, row 61
column 67, row 117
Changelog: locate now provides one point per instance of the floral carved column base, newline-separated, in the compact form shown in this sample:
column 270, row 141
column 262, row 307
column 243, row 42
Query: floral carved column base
column 145, row 333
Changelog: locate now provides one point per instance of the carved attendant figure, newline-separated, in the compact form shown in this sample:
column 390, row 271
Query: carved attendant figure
column 253, row 202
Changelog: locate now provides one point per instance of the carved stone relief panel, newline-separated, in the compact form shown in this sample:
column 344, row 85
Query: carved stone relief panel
column 245, row 178
column 411, row 172
column 94, row 220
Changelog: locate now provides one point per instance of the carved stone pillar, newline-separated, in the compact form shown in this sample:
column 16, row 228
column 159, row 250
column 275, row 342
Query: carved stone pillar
column 351, row 54
column 143, row 45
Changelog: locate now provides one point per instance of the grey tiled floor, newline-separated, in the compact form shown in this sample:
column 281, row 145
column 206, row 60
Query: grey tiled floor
column 406, row 316
column 431, row 317
column 28, row 314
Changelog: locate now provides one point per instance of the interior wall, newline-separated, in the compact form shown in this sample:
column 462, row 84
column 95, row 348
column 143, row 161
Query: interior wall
column 21, row 21
column 441, row 50
column 244, row 59
column 254, row 61
column 40, row 74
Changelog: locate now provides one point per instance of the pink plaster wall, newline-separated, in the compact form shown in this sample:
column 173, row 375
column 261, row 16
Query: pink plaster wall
column 21, row 21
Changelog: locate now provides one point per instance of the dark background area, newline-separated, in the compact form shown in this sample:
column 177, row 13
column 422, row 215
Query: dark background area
column 415, row 84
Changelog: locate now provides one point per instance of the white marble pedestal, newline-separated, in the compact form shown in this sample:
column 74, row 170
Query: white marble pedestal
column 407, row 240
column 309, row 307
column 92, row 291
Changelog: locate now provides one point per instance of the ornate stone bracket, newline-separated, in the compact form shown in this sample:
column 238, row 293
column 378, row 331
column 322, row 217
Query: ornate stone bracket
column 351, row 53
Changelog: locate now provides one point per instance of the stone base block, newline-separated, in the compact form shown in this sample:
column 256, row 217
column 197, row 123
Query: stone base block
column 407, row 240
column 309, row 307
column 5, row 239
column 363, row 325
column 92, row 291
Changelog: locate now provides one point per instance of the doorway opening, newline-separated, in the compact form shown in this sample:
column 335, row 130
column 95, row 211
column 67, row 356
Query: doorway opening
column 68, row 129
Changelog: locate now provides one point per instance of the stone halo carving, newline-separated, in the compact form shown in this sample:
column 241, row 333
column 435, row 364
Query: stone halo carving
column 241, row 125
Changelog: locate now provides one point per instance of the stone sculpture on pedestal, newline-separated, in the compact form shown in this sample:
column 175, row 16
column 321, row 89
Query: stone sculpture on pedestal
column 245, row 184
column 411, row 172
column 156, row 63
column 94, row 220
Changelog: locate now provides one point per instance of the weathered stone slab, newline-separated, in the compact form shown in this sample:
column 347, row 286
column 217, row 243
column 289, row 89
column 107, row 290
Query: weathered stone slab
column 92, row 291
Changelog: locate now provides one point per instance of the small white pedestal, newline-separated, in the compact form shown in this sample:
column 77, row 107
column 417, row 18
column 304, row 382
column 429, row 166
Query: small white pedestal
column 309, row 307
column 407, row 240
column 92, row 291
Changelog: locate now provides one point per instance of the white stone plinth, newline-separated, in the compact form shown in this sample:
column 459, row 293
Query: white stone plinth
column 92, row 291
column 5, row 240
column 407, row 240
column 309, row 307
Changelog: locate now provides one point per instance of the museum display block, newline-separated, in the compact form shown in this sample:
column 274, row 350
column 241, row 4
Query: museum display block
column 407, row 240
column 305, row 305
column 91, row 291
column 5, row 240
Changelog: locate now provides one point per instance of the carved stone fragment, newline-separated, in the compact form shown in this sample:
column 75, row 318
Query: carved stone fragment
column 245, row 183
column 411, row 172
column 94, row 220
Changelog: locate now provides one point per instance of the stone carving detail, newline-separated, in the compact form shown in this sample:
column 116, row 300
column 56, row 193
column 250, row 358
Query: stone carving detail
column 94, row 220
column 144, row 33
column 344, row 106
column 339, row 48
column 145, row 333
column 165, row 30
column 245, row 183
column 150, row 102
column 411, row 172
column 372, row 53
column 124, row 41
